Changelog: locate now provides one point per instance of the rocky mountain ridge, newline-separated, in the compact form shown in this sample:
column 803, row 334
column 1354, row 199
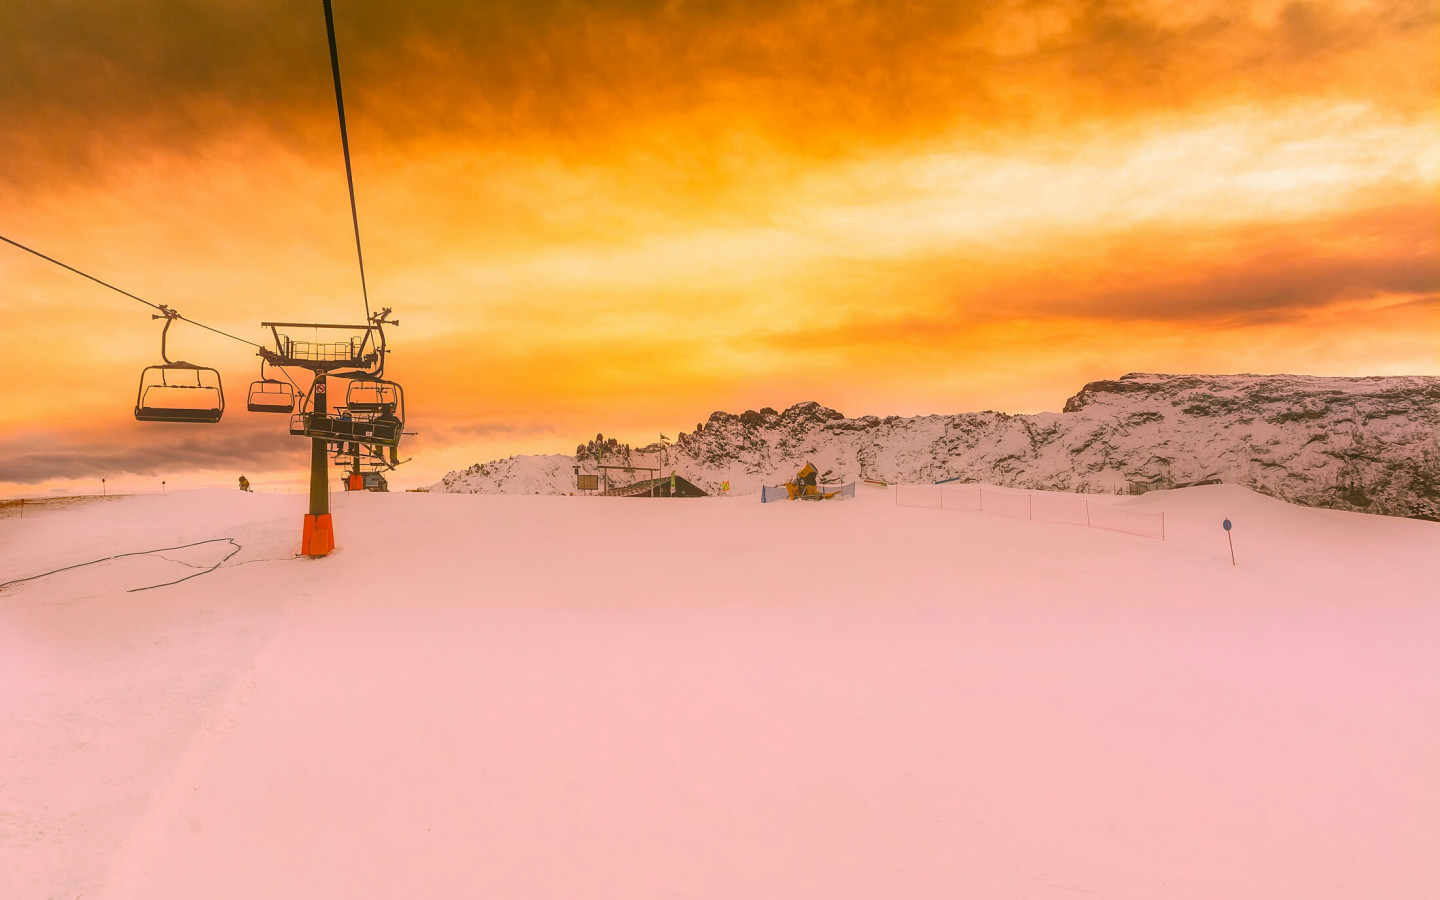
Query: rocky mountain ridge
column 1366, row 444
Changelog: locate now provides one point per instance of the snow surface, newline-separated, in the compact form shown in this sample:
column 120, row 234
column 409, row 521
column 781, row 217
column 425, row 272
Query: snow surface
column 542, row 697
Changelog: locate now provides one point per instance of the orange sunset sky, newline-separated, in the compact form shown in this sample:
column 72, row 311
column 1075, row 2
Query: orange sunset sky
column 622, row 216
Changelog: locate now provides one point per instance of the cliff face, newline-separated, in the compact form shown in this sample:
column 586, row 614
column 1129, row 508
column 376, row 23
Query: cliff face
column 1367, row 444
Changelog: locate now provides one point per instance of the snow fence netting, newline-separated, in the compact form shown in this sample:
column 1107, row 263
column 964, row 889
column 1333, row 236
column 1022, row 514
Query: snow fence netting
column 924, row 496
column 1004, row 503
column 1150, row 525
column 1031, row 506
column 1061, row 509
column 965, row 497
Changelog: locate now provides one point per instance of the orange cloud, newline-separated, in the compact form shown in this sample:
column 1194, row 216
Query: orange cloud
column 85, row 86
column 626, row 215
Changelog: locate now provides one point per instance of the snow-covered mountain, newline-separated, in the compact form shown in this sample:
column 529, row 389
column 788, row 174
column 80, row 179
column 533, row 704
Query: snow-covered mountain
column 1368, row 444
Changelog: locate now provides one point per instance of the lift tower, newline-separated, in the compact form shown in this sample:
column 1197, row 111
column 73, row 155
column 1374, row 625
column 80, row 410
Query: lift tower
column 366, row 417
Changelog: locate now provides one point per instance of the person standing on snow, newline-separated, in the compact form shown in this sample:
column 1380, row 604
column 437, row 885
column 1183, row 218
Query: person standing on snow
column 244, row 483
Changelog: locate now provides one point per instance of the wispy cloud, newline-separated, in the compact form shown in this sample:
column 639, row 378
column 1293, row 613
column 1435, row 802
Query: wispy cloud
column 34, row 456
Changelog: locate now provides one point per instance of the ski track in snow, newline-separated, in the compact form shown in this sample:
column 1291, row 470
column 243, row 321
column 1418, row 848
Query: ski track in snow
column 145, row 853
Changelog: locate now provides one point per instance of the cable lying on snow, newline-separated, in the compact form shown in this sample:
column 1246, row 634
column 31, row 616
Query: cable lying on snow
column 92, row 562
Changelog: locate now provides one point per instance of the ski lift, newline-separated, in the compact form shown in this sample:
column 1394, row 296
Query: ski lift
column 384, row 429
column 353, row 347
column 379, row 417
column 178, row 391
column 372, row 395
column 270, row 395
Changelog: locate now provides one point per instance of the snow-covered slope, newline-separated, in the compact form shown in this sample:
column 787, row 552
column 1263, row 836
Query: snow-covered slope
column 551, row 473
column 1369, row 444
column 555, row 697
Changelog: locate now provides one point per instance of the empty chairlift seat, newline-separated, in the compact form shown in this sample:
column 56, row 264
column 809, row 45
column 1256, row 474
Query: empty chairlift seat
column 180, row 392
column 370, row 395
column 270, row 396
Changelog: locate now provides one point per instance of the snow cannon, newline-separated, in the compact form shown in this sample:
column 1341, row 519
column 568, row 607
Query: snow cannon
column 806, row 485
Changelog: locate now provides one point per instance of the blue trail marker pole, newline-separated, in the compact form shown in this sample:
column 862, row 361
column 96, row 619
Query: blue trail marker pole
column 1231, row 539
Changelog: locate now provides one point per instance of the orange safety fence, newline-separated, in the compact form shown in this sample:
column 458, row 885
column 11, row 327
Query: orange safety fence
column 1123, row 520
column 964, row 499
column 924, row 496
column 1012, row 506
column 1059, row 509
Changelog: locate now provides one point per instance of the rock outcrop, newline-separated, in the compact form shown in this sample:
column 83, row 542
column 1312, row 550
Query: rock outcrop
column 1367, row 444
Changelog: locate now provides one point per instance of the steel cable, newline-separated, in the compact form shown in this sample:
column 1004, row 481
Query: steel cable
column 345, row 146
column 122, row 291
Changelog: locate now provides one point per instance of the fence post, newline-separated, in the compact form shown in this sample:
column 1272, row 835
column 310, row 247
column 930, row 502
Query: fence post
column 1162, row 525
column 1087, row 513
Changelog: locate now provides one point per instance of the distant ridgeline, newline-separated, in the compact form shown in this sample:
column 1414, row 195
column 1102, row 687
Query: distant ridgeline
column 1367, row 444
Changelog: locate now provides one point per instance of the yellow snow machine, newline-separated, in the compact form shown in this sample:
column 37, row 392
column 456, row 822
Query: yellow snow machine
column 806, row 485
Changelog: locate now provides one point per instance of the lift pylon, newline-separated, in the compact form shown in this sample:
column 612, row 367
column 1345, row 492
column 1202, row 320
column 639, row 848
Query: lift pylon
column 362, row 422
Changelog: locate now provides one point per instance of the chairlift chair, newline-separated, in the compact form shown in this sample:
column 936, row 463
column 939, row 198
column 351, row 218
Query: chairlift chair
column 380, row 401
column 270, row 395
column 370, row 394
column 379, row 419
column 384, row 430
column 178, row 391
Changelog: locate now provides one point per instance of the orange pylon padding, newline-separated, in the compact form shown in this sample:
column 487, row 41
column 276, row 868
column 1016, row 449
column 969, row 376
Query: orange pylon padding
column 356, row 483
column 319, row 536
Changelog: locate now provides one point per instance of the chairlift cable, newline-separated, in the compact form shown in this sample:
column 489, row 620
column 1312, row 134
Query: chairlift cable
column 163, row 309
column 345, row 145
column 112, row 287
